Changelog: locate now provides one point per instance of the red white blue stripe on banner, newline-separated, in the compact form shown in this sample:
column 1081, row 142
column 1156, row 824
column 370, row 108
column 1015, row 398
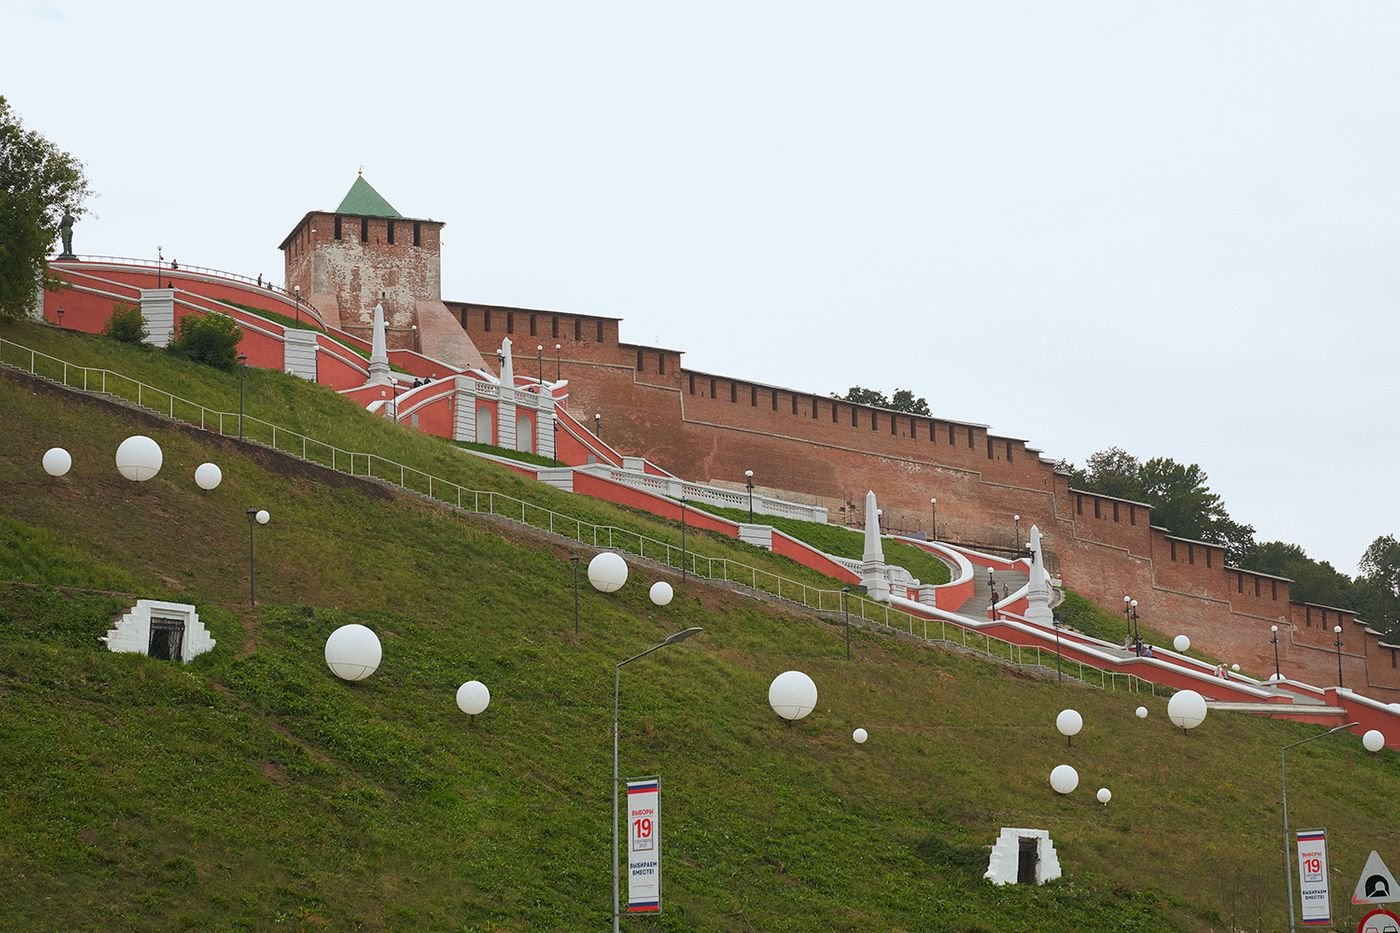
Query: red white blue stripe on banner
column 646, row 787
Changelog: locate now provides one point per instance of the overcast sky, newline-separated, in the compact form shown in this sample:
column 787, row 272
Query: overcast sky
column 1171, row 227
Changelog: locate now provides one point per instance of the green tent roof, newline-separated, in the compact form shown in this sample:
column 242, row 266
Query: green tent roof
column 364, row 200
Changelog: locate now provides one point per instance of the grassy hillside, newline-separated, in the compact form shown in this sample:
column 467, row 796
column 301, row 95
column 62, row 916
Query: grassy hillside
column 320, row 413
column 250, row 788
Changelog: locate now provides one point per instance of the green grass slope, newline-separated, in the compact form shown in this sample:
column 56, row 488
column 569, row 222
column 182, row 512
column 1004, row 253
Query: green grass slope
column 250, row 788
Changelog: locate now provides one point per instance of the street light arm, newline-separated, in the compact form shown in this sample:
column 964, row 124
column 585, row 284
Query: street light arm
column 1320, row 735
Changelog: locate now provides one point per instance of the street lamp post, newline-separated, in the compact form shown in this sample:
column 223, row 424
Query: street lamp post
column 557, row 364
column 395, row 414
column 683, row 560
column 617, row 691
column 1278, row 675
column 1130, row 618
column 574, row 559
column 539, row 353
column 260, row 517
column 160, row 260
column 598, row 425
column 748, row 481
column 60, row 318
column 242, row 365
column 1056, row 622
column 846, row 614
column 296, row 293
column 933, row 504
column 1017, row 520
column 1337, row 630
column 1283, row 773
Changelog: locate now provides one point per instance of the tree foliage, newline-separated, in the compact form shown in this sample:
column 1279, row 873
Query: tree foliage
column 126, row 324
column 1181, row 500
column 38, row 184
column 903, row 400
column 1377, row 590
column 1314, row 581
column 211, row 339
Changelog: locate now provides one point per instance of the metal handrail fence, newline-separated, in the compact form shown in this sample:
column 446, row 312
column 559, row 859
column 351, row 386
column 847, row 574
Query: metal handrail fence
column 882, row 616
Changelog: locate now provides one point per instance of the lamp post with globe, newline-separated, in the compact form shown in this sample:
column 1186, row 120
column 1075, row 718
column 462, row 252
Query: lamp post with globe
column 617, row 692
column 259, row 517
column 1274, row 638
column 1337, row 630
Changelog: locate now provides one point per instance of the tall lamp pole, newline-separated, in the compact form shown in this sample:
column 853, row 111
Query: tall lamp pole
column 574, row 559
column 1337, row 630
column 160, row 260
column 683, row 558
column 1283, row 772
column 1017, row 520
column 617, row 691
column 1056, row 621
column 296, row 293
column 1278, row 675
column 598, row 425
column 242, row 365
column 748, row 481
column 933, row 504
column 1130, row 618
column 557, row 364
column 260, row 517
column 539, row 352
column 846, row 613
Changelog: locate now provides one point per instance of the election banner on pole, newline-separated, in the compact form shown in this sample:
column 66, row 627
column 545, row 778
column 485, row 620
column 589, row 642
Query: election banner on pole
column 1312, row 877
column 644, row 846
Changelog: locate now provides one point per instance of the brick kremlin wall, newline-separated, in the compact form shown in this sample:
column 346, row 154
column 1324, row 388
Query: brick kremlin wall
column 810, row 447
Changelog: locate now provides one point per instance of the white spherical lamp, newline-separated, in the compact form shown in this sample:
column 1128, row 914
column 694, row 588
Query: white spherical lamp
column 607, row 572
column 1069, row 722
column 57, row 461
column 1373, row 740
column 353, row 652
column 792, row 695
column 1181, row 643
column 262, row 517
column 473, row 698
column 661, row 593
column 860, row 735
column 1104, row 795
column 139, row 458
column 1187, row 709
column 208, row 476
column 1064, row 779
column 1235, row 668
column 1142, row 712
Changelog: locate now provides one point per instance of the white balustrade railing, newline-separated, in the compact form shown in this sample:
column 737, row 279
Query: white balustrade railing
column 701, row 494
column 881, row 615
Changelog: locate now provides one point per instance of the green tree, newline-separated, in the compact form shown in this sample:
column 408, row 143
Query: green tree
column 126, row 324
column 903, row 400
column 38, row 184
column 1314, row 581
column 210, row 338
column 1180, row 499
column 1377, row 590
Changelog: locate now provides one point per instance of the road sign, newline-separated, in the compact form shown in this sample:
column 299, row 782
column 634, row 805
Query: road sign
column 1379, row 920
column 644, row 846
column 1376, row 884
column 1312, row 877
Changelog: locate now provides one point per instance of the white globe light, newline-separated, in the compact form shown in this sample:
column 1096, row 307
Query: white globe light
column 1373, row 740
column 661, row 593
column 208, row 476
column 262, row 517
column 1235, row 668
column 353, row 652
column 473, row 698
column 1069, row 722
column 1181, row 643
column 1187, row 709
column 139, row 458
column 607, row 572
column 1104, row 795
column 1064, row 779
column 57, row 461
column 792, row 695
column 860, row 735
column 1142, row 712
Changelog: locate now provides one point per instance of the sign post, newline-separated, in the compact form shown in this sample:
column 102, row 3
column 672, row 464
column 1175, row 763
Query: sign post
column 1312, row 877
column 644, row 846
